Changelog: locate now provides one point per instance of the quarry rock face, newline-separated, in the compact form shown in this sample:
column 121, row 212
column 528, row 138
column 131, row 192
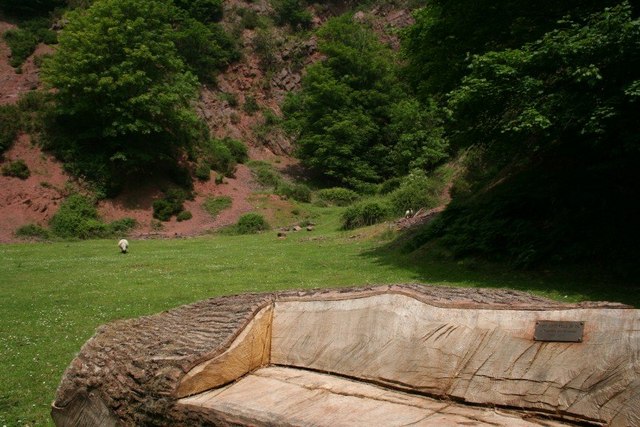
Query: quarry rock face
column 386, row 355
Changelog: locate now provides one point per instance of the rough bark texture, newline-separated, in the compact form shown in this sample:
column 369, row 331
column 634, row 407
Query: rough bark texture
column 130, row 371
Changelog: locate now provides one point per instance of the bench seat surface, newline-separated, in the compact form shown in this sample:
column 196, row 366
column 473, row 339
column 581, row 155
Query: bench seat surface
column 288, row 396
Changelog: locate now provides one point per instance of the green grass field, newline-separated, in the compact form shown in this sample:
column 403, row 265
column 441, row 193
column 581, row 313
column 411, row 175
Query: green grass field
column 55, row 295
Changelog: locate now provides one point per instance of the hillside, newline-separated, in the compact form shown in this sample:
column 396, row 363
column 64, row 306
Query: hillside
column 223, row 105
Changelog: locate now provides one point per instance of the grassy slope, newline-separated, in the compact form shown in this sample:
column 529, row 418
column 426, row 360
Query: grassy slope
column 54, row 295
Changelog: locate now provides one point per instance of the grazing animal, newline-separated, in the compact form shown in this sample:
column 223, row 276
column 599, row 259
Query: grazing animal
column 408, row 213
column 123, row 244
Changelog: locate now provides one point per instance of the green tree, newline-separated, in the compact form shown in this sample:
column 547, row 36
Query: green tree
column 447, row 34
column 123, row 98
column 353, row 119
column 553, row 127
column 202, row 10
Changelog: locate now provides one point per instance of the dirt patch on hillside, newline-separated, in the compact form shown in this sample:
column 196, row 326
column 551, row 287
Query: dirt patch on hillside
column 34, row 200
column 138, row 204
column 12, row 83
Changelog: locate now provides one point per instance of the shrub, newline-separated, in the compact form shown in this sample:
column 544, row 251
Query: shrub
column 122, row 226
column 24, row 40
column 203, row 171
column 171, row 204
column 250, row 105
column 33, row 231
column 298, row 192
column 337, row 196
column 291, row 12
column 9, row 126
column 230, row 98
column 363, row 214
column 390, row 185
column 251, row 223
column 265, row 47
column 265, row 174
column 215, row 205
column 219, row 157
column 237, row 148
column 202, row 10
column 76, row 217
column 250, row 19
column 184, row 216
column 416, row 191
column 17, row 168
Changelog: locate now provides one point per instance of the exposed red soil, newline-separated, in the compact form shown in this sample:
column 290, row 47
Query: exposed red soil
column 36, row 199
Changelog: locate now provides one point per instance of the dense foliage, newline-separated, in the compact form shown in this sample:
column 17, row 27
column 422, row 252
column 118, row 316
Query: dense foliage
column 9, row 126
column 29, row 8
column 251, row 223
column 125, row 84
column 77, row 217
column 447, row 34
column 123, row 93
column 353, row 120
column 17, row 168
column 551, row 123
column 23, row 40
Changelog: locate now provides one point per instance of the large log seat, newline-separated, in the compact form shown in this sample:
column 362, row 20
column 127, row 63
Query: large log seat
column 387, row 355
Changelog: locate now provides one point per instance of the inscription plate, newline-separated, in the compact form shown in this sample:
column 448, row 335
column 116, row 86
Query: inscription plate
column 560, row 331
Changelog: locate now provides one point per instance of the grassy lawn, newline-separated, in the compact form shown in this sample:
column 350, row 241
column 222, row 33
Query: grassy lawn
column 54, row 295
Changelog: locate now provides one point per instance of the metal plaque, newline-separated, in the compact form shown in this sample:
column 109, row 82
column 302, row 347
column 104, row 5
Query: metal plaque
column 558, row 331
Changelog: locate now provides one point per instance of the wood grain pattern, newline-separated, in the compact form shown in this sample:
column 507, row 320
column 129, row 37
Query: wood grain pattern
column 467, row 344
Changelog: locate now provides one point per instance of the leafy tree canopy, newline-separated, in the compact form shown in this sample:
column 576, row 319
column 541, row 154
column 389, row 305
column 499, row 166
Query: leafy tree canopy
column 123, row 93
column 354, row 120
column 552, row 127
column 446, row 34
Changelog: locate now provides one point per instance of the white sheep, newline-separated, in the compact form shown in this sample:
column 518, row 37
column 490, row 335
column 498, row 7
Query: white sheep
column 123, row 244
column 408, row 213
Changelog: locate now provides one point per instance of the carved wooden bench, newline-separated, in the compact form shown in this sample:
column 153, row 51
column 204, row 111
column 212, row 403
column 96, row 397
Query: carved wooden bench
column 388, row 355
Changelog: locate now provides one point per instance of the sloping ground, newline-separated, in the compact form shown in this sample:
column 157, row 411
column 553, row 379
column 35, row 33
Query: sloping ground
column 36, row 199
column 403, row 343
column 13, row 84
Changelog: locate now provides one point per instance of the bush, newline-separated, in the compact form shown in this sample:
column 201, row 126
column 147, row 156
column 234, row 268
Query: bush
column 122, row 226
column 24, row 40
column 416, row 191
column 237, row 148
column 291, row 12
column 202, row 10
column 363, row 214
column 265, row 174
column 9, row 126
column 337, row 196
column 215, row 205
column 251, row 223
column 171, row 204
column 250, row 105
column 184, row 216
column 77, row 217
column 390, row 185
column 33, row 231
column 203, row 171
column 298, row 192
column 18, row 169
column 219, row 157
